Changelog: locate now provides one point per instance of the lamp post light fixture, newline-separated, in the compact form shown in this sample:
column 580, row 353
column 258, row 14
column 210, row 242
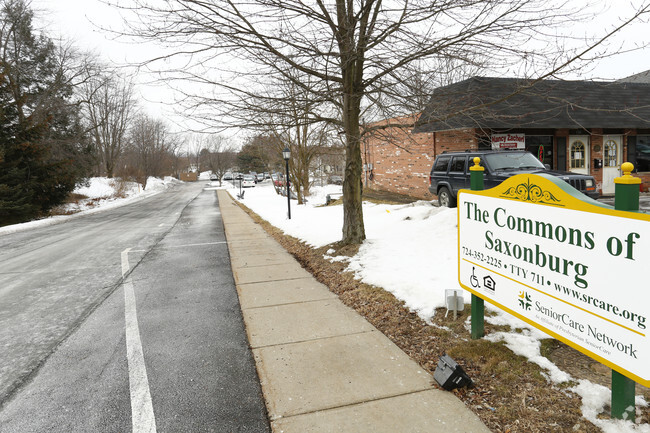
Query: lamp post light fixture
column 286, row 154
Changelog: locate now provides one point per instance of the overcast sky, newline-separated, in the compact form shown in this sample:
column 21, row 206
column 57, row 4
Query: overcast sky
column 78, row 20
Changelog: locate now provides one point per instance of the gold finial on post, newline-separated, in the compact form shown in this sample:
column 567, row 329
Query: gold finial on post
column 476, row 166
column 627, row 178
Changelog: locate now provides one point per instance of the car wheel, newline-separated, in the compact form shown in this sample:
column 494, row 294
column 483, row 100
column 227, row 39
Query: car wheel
column 445, row 199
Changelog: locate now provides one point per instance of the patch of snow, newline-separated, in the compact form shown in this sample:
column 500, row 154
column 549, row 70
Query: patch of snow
column 528, row 344
column 336, row 258
column 594, row 400
column 98, row 187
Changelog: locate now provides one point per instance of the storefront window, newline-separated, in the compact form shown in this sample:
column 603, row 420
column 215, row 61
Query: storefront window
column 643, row 153
column 542, row 147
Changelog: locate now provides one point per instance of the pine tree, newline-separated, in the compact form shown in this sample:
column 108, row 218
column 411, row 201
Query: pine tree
column 42, row 151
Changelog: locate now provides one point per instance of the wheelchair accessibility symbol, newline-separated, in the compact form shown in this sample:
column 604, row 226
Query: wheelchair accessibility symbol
column 488, row 281
column 473, row 280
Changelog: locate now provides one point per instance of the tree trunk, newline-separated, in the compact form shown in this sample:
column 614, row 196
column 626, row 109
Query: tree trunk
column 354, row 231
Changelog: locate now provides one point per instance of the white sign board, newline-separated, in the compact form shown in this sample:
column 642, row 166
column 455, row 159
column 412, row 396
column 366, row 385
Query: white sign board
column 508, row 141
column 568, row 267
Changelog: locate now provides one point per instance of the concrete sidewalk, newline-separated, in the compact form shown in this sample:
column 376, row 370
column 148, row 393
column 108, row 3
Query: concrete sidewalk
column 324, row 368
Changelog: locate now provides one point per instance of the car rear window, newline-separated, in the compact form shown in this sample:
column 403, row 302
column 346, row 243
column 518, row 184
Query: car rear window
column 442, row 164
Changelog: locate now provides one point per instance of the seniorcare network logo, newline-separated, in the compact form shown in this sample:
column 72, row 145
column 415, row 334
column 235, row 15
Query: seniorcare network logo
column 525, row 301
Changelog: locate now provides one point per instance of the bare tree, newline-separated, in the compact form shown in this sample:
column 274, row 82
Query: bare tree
column 288, row 114
column 221, row 155
column 151, row 145
column 109, row 106
column 196, row 145
column 355, row 51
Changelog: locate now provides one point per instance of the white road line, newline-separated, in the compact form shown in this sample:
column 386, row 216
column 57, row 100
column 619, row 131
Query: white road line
column 142, row 416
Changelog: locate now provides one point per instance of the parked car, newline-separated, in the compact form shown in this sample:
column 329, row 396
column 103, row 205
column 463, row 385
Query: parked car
column 228, row 176
column 450, row 172
column 260, row 177
column 335, row 179
column 248, row 181
column 279, row 181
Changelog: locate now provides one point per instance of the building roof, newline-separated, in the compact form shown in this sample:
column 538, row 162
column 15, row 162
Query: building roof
column 509, row 103
column 641, row 77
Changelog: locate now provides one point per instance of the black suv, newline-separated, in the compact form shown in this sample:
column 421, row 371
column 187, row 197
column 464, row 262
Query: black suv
column 450, row 172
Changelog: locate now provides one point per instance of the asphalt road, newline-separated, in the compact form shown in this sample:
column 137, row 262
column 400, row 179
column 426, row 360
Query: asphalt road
column 126, row 320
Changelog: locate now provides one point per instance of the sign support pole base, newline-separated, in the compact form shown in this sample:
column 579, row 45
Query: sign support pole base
column 622, row 397
column 478, row 316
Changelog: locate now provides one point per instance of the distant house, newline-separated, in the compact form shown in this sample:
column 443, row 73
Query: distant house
column 189, row 177
column 580, row 126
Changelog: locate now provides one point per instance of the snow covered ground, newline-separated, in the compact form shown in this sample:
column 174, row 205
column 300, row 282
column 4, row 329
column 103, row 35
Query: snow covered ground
column 411, row 251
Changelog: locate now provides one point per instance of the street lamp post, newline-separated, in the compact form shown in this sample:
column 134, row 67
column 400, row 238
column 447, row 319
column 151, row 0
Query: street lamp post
column 286, row 154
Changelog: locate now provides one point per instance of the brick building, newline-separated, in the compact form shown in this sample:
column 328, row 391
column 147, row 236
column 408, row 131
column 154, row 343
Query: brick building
column 395, row 159
column 579, row 126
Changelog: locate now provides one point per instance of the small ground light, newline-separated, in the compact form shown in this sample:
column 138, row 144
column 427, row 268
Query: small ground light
column 454, row 301
column 450, row 375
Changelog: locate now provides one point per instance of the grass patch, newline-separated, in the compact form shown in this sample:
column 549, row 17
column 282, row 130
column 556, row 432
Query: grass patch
column 548, row 345
column 497, row 359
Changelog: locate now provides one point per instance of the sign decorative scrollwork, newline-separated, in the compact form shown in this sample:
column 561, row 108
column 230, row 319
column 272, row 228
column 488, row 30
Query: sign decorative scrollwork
column 531, row 193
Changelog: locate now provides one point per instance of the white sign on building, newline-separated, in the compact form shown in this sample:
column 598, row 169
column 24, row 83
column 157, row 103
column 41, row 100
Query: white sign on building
column 571, row 268
column 508, row 141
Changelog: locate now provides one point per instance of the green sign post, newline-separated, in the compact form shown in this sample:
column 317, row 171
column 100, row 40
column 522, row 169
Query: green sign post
column 626, row 198
column 478, row 304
